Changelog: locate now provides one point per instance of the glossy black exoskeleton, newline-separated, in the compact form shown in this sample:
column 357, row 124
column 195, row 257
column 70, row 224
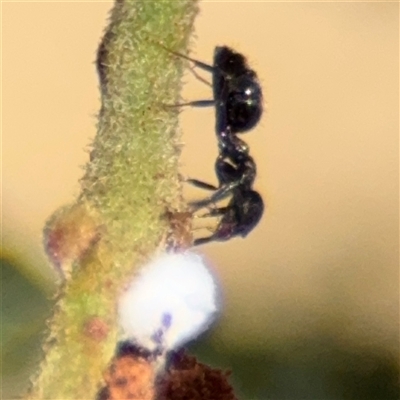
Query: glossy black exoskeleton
column 238, row 107
column 237, row 91
column 239, row 217
column 245, row 207
column 232, row 173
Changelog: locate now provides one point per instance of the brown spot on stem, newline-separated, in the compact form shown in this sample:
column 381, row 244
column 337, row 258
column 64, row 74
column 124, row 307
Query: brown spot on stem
column 180, row 234
column 68, row 235
column 96, row 329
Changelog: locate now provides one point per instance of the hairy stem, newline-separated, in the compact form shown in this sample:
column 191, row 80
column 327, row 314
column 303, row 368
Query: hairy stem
column 130, row 190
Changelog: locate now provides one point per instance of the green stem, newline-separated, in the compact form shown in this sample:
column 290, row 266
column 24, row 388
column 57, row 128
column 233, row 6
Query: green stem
column 130, row 190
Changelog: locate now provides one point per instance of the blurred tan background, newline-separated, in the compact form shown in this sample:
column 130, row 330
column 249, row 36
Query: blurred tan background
column 324, row 260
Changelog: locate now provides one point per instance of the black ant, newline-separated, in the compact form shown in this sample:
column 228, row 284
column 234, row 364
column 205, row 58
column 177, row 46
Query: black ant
column 238, row 105
column 237, row 91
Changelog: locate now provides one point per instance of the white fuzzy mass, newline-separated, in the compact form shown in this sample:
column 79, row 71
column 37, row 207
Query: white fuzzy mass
column 172, row 300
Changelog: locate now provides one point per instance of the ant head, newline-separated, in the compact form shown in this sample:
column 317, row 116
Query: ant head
column 236, row 85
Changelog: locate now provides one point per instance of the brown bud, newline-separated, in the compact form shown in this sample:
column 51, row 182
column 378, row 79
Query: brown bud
column 69, row 233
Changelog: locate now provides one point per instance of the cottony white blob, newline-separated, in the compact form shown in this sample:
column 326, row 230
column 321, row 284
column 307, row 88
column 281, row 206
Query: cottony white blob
column 170, row 302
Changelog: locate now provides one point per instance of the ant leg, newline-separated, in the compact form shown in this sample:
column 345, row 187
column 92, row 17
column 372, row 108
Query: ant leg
column 204, row 240
column 199, row 77
column 195, row 103
column 219, row 194
column 201, row 184
column 216, row 212
column 197, row 205
column 197, row 63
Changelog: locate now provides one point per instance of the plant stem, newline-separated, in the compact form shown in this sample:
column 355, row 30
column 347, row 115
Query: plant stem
column 130, row 186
